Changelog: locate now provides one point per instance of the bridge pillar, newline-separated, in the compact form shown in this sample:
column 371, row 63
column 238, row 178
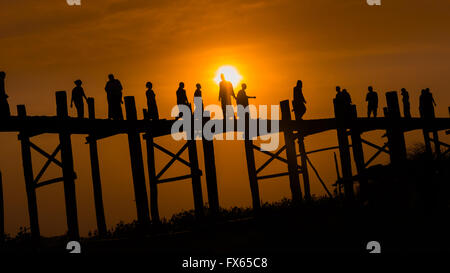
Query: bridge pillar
column 251, row 167
column 153, row 182
column 291, row 153
column 95, row 173
column 29, row 179
column 396, row 138
column 137, row 166
column 2, row 213
column 68, row 169
column 341, row 115
column 358, row 155
column 195, row 173
column 210, row 171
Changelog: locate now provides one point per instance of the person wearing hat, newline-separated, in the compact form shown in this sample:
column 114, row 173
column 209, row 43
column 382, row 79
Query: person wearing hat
column 4, row 106
column 77, row 98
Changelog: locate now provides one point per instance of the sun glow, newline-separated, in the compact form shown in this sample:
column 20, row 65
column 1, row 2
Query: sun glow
column 231, row 74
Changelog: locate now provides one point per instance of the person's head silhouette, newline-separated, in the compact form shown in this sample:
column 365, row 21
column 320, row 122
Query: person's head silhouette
column 370, row 89
column 78, row 83
column 403, row 90
column 338, row 89
column 149, row 85
column 198, row 86
column 344, row 90
column 111, row 77
column 244, row 86
column 181, row 85
column 427, row 90
column 2, row 75
column 222, row 76
column 299, row 83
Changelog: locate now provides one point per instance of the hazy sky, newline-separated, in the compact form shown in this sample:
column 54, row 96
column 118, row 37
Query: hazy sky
column 46, row 45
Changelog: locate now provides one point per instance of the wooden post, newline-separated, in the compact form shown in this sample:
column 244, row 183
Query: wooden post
column 251, row 167
column 95, row 172
column 195, row 173
column 67, row 169
column 210, row 172
column 154, row 210
column 437, row 144
column 29, row 179
column 2, row 212
column 137, row 165
column 304, row 162
column 341, row 115
column 291, row 154
column 358, row 155
column 396, row 137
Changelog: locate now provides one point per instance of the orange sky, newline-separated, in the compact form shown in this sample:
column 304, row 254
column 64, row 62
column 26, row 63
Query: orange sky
column 46, row 45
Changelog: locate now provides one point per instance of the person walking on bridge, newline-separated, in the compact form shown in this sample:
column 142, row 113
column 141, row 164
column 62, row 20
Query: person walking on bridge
column 299, row 102
column 4, row 106
column 182, row 97
column 77, row 97
column 225, row 93
column 242, row 97
column 372, row 102
column 113, row 90
column 406, row 104
column 152, row 108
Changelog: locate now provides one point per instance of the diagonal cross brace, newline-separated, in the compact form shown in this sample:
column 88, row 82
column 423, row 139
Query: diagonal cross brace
column 174, row 158
column 272, row 157
column 44, row 168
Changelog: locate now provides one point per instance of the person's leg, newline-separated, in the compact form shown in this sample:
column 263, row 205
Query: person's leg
column 375, row 112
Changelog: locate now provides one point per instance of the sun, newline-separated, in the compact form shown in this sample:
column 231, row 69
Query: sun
column 231, row 74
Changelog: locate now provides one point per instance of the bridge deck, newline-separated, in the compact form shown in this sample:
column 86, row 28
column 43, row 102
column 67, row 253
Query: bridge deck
column 35, row 125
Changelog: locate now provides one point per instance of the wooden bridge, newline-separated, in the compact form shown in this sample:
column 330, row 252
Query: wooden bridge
column 346, row 123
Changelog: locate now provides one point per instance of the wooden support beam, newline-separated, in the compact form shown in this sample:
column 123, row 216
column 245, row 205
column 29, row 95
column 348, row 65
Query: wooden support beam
column 375, row 155
column 318, row 177
column 47, row 163
column 272, row 157
column 153, row 181
column 251, row 167
column 304, row 167
column 273, row 175
column 396, row 137
column 137, row 167
column 210, row 172
column 49, row 182
column 358, row 156
column 27, row 164
column 381, row 149
column 95, row 173
column 67, row 169
column 177, row 178
column 196, row 180
column 291, row 154
column 173, row 159
column 341, row 115
column 2, row 212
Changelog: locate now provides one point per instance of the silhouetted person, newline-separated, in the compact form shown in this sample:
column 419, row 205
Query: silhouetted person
column 225, row 93
column 299, row 102
column 372, row 102
column 347, row 100
column 427, row 103
column 182, row 97
column 406, row 104
column 4, row 106
column 77, row 98
column 198, row 93
column 242, row 97
column 152, row 108
column 113, row 90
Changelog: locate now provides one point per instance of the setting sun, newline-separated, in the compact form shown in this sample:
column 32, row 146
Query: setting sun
column 231, row 74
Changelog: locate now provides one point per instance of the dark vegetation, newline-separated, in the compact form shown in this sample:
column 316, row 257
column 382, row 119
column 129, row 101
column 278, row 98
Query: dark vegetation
column 407, row 210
